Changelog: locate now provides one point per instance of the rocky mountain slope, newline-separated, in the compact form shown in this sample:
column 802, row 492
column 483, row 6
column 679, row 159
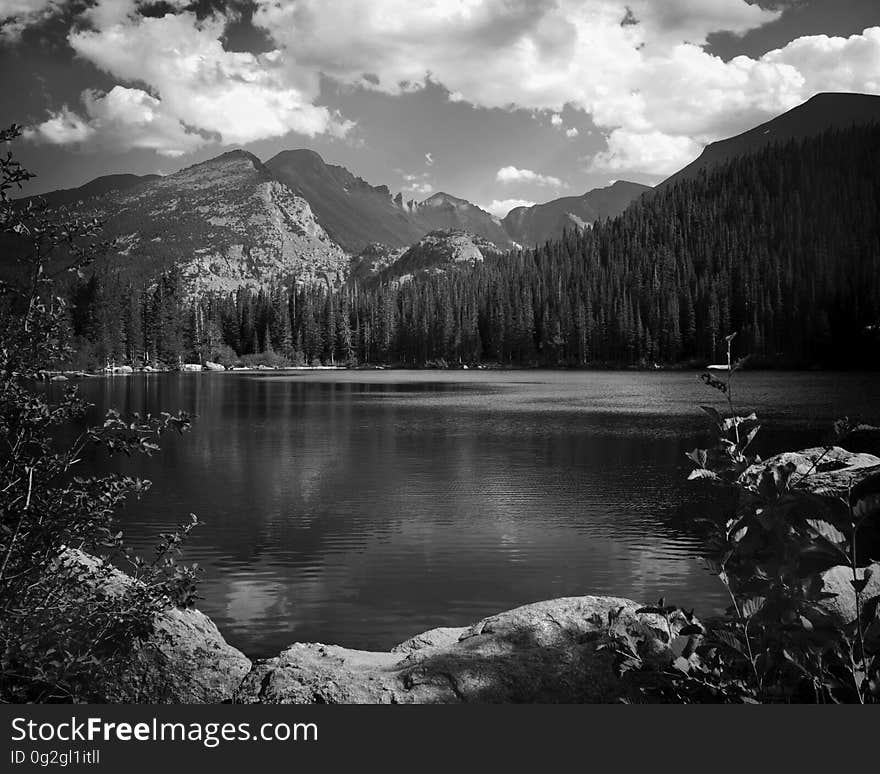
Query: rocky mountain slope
column 225, row 223
column 437, row 251
column 449, row 213
column 542, row 222
column 816, row 115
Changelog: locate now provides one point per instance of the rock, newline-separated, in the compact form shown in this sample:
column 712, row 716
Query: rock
column 842, row 608
column 191, row 367
column 58, row 378
column 214, row 366
column 124, row 369
column 186, row 661
column 828, row 471
column 442, row 637
column 543, row 652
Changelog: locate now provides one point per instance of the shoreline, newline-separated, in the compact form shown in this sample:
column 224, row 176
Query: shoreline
column 125, row 371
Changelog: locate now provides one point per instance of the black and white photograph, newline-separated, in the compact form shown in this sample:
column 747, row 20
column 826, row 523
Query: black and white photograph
column 369, row 352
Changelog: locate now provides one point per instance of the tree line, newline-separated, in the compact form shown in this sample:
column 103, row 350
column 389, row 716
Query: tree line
column 782, row 246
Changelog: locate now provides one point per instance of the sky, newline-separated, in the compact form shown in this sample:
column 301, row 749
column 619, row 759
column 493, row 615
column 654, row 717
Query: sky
column 501, row 102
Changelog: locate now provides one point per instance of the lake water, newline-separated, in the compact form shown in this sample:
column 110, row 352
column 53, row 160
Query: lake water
column 362, row 507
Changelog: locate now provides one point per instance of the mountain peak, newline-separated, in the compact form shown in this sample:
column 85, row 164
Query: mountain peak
column 823, row 111
column 241, row 159
column 442, row 198
column 235, row 155
column 302, row 158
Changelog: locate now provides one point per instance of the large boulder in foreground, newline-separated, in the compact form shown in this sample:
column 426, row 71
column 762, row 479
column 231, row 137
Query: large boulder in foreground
column 829, row 470
column 543, row 652
column 185, row 661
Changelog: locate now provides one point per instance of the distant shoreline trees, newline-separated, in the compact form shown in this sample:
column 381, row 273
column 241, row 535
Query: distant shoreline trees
column 782, row 246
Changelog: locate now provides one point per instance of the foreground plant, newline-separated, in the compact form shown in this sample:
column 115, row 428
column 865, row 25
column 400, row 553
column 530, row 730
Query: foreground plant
column 68, row 628
column 778, row 641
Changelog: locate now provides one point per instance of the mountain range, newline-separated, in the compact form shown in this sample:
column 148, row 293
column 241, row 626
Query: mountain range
column 235, row 221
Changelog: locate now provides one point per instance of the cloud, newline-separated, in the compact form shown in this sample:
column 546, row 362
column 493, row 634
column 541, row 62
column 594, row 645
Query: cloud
column 652, row 153
column 122, row 119
column 500, row 207
column 239, row 96
column 420, row 189
column 18, row 15
column 639, row 68
column 418, row 183
column 571, row 133
column 515, row 175
column 649, row 80
column 63, row 127
column 190, row 89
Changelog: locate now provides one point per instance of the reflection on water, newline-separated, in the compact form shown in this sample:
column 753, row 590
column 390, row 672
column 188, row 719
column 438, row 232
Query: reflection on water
column 360, row 508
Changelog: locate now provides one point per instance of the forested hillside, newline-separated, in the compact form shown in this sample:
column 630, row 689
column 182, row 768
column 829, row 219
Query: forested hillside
column 782, row 246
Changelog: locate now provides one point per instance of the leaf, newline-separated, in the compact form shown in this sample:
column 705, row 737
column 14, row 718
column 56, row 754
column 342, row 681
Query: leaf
column 827, row 530
column 752, row 606
column 698, row 456
column 739, row 534
column 750, row 436
column 682, row 665
column 729, row 639
column 703, row 474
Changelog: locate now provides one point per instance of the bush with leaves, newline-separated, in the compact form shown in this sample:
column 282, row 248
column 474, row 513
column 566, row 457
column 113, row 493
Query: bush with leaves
column 777, row 641
column 62, row 639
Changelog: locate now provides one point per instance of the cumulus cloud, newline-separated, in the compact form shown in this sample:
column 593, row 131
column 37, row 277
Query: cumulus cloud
column 18, row 15
column 429, row 159
column 63, row 127
column 516, row 175
column 122, row 119
column 644, row 81
column 652, row 153
column 639, row 68
column 195, row 91
column 571, row 133
column 500, row 207
column 239, row 96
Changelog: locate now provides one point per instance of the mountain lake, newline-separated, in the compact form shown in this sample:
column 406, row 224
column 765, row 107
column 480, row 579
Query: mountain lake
column 362, row 507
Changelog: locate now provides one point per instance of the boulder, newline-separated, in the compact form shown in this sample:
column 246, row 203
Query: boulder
column 841, row 609
column 829, row 470
column 185, row 661
column 210, row 366
column 543, row 652
column 191, row 367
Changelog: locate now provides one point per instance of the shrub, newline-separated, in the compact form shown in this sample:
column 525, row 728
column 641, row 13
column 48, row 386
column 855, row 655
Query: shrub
column 60, row 641
column 776, row 642
column 271, row 359
column 225, row 355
